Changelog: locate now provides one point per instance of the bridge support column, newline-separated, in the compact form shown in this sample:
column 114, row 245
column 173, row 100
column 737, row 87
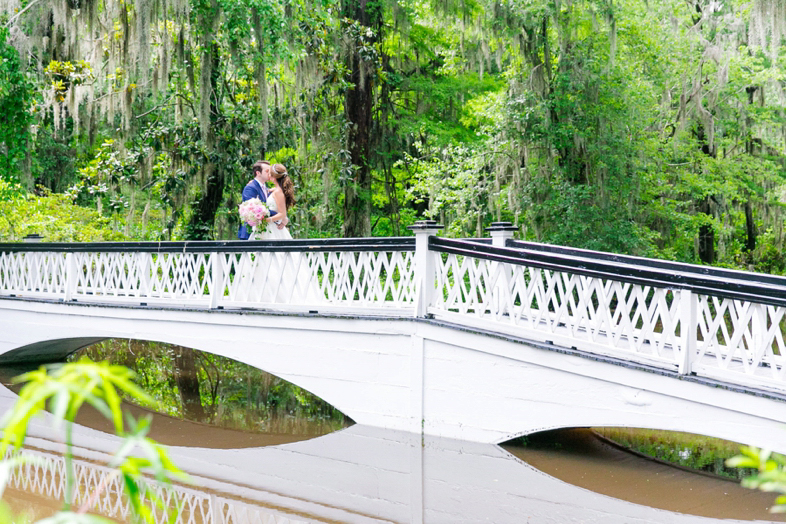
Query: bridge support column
column 424, row 265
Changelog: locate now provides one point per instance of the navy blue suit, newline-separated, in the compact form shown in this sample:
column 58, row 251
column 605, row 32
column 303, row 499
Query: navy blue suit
column 252, row 189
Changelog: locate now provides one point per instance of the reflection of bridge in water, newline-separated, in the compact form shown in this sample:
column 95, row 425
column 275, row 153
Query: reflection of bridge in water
column 470, row 339
column 361, row 474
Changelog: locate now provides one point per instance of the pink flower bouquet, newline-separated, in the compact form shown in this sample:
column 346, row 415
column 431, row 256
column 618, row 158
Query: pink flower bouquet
column 254, row 212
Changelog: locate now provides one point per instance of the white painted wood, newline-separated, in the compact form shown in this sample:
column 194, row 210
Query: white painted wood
column 731, row 340
column 474, row 386
column 216, row 279
column 70, row 277
column 424, row 271
column 416, row 387
column 688, row 327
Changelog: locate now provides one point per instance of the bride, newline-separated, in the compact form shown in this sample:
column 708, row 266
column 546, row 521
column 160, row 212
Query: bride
column 283, row 276
column 280, row 198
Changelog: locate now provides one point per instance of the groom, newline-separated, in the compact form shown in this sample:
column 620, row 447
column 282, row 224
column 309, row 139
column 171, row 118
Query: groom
column 257, row 188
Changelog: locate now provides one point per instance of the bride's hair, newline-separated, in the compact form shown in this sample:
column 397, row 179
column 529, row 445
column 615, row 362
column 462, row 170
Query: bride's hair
column 279, row 172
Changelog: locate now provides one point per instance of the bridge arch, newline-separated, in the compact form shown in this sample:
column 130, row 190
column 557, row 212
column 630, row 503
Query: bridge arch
column 329, row 357
column 420, row 375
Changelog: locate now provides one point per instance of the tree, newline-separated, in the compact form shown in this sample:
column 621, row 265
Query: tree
column 362, row 26
column 15, row 108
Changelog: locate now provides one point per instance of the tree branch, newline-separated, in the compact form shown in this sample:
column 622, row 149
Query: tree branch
column 20, row 13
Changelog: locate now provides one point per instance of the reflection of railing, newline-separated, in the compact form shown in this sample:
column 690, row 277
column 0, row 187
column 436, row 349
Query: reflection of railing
column 102, row 489
column 712, row 322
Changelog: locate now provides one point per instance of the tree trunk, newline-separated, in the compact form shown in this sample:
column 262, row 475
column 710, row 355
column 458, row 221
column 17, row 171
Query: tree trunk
column 359, row 103
column 187, row 382
column 750, row 226
column 706, row 235
column 200, row 226
column 261, row 75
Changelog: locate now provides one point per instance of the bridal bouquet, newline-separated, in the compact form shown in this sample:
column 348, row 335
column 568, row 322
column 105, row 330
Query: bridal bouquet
column 254, row 212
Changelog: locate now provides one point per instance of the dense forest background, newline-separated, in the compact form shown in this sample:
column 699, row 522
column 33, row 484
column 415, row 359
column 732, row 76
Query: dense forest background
column 636, row 126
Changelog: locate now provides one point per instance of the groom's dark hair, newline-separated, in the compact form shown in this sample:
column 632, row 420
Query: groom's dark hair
column 257, row 167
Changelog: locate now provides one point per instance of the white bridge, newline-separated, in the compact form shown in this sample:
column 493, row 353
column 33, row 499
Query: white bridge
column 479, row 340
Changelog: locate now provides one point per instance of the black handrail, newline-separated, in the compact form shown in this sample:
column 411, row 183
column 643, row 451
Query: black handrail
column 683, row 267
column 234, row 246
column 707, row 283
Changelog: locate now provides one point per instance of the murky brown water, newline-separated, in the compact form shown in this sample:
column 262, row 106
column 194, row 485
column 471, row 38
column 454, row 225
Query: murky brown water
column 35, row 507
column 173, row 431
column 581, row 458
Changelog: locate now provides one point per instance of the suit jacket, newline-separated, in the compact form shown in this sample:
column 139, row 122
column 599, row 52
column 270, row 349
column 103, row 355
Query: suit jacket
column 252, row 189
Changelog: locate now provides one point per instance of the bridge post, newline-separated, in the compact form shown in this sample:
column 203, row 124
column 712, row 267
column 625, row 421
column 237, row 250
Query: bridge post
column 424, row 265
column 689, row 308
column 501, row 232
column 70, row 277
column 216, row 280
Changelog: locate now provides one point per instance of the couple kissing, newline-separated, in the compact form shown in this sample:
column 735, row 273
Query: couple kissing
column 279, row 198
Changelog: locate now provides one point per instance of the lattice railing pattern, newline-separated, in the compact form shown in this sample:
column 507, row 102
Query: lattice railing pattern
column 538, row 294
column 594, row 314
column 736, row 337
column 45, row 476
column 39, row 273
column 169, row 276
column 378, row 278
column 248, row 278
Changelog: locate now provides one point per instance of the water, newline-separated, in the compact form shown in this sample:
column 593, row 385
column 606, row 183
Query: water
column 364, row 474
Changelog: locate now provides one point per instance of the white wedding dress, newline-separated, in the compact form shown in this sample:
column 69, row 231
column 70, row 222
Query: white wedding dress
column 279, row 276
column 272, row 232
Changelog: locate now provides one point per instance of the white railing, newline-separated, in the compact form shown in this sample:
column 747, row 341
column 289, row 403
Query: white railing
column 314, row 275
column 722, row 324
column 728, row 325
column 100, row 490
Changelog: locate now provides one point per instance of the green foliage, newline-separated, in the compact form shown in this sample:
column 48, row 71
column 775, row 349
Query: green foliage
column 105, row 171
column 53, row 216
column 632, row 127
column 15, row 108
column 10, row 192
column 54, row 161
column 62, row 390
column 66, row 74
column 771, row 475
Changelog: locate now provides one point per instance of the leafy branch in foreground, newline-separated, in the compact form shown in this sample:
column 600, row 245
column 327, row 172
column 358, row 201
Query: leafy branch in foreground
column 64, row 389
column 771, row 474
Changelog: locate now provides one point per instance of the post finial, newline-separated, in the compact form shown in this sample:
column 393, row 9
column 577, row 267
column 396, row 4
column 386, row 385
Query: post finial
column 501, row 232
column 33, row 237
column 502, row 226
column 425, row 224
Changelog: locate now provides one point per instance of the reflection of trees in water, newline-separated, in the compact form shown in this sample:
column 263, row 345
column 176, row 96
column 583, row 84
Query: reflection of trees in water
column 688, row 450
column 692, row 451
column 200, row 386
